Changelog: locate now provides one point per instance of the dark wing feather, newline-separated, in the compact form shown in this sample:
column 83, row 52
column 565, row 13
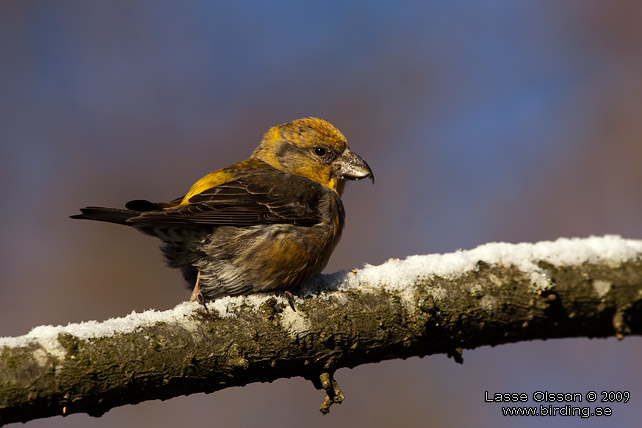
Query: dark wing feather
column 282, row 199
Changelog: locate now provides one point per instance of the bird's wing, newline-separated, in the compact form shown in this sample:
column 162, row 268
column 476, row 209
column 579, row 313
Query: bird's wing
column 285, row 199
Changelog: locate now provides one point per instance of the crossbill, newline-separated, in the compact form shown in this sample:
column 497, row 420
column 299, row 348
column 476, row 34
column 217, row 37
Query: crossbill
column 268, row 223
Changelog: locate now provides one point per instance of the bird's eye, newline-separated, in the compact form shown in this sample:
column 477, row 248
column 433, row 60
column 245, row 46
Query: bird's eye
column 319, row 151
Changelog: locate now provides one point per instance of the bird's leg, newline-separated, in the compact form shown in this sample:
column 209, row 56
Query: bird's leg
column 197, row 289
column 197, row 296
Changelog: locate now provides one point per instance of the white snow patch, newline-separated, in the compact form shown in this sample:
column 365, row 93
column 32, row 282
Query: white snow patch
column 224, row 306
column 295, row 322
column 396, row 274
column 47, row 336
column 227, row 307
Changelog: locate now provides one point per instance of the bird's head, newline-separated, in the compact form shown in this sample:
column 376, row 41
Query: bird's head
column 314, row 149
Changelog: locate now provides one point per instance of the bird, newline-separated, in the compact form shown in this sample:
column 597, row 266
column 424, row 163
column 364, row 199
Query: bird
column 265, row 224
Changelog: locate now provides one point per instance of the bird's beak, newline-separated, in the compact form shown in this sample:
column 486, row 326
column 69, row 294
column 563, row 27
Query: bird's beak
column 352, row 167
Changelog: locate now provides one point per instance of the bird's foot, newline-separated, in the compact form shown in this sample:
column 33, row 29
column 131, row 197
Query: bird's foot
column 290, row 298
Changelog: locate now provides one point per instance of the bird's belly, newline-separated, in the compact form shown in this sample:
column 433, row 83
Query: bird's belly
column 263, row 258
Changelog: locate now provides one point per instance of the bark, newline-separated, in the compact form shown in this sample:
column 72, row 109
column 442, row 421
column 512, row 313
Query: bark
column 93, row 367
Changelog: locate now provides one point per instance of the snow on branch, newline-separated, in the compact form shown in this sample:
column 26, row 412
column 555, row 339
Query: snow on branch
column 497, row 293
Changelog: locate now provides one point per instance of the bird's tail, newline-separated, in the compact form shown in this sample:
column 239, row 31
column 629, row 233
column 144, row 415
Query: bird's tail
column 110, row 215
column 120, row 216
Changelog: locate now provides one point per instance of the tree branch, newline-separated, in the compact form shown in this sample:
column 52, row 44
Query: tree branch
column 497, row 293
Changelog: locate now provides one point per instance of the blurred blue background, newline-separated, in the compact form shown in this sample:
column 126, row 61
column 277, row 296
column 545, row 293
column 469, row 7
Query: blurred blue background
column 483, row 121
